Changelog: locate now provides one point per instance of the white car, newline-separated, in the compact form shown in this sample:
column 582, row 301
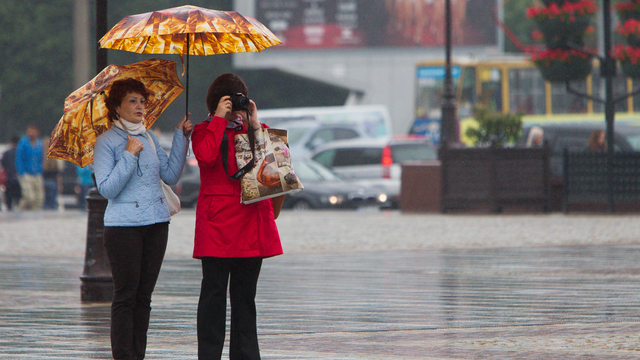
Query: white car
column 379, row 159
column 306, row 135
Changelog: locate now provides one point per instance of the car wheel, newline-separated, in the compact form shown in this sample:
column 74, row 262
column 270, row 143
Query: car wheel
column 301, row 205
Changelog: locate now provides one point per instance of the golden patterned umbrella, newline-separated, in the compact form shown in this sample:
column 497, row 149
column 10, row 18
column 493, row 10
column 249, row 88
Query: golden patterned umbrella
column 189, row 30
column 85, row 113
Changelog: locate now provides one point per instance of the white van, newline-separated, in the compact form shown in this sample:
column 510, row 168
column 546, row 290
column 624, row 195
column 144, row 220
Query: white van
column 311, row 127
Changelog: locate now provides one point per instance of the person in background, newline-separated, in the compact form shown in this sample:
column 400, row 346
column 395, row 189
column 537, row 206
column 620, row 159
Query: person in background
column 596, row 140
column 535, row 138
column 231, row 238
column 128, row 172
column 29, row 162
column 12, row 192
column 85, row 183
column 52, row 178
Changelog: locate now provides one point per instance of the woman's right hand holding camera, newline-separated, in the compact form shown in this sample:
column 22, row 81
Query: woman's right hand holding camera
column 134, row 146
column 224, row 107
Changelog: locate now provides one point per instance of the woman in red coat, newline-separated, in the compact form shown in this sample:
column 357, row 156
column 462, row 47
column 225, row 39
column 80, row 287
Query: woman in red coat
column 231, row 238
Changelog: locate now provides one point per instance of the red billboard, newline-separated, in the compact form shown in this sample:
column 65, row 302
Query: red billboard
column 308, row 24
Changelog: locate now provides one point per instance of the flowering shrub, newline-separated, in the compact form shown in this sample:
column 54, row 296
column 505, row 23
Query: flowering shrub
column 538, row 35
column 626, row 53
column 627, row 7
column 546, row 57
column 567, row 12
column 630, row 27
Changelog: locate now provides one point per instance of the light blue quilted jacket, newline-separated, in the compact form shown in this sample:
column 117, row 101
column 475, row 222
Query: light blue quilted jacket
column 134, row 192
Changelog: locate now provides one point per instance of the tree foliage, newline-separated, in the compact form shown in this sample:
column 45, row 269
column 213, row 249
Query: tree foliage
column 36, row 50
column 515, row 19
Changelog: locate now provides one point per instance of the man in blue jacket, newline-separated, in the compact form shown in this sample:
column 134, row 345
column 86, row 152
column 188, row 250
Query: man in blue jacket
column 29, row 160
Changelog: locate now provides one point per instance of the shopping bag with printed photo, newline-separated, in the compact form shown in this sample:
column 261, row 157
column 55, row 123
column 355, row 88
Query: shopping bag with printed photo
column 272, row 175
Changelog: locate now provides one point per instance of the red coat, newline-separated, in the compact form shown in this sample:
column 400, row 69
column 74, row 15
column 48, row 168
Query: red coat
column 224, row 226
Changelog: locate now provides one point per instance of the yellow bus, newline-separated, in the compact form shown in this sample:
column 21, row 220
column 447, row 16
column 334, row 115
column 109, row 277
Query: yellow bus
column 513, row 84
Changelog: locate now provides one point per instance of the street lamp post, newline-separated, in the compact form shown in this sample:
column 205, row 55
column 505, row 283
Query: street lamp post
column 97, row 282
column 448, row 118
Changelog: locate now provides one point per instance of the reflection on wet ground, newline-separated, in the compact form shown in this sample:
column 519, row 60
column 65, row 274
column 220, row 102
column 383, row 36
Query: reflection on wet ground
column 501, row 303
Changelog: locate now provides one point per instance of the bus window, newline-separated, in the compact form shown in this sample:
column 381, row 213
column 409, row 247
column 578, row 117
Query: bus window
column 526, row 91
column 490, row 88
column 563, row 102
column 467, row 96
column 431, row 90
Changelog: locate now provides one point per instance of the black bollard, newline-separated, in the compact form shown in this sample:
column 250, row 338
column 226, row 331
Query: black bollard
column 97, row 283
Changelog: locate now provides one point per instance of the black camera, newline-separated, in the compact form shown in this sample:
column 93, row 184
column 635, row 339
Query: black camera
column 239, row 102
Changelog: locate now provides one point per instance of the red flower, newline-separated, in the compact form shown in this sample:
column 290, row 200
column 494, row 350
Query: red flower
column 630, row 27
column 551, row 55
column 626, row 53
column 567, row 12
column 627, row 6
column 537, row 35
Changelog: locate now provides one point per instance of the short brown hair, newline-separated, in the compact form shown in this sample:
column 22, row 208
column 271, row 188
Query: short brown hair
column 223, row 85
column 120, row 89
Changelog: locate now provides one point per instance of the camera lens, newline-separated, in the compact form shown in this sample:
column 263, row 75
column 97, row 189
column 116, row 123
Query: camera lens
column 239, row 102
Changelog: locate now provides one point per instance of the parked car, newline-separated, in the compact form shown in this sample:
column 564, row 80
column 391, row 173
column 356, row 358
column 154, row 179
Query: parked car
column 574, row 137
column 375, row 159
column 325, row 190
column 305, row 135
column 322, row 188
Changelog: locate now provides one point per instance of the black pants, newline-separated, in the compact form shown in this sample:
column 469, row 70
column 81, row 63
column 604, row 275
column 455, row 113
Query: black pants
column 135, row 255
column 12, row 193
column 242, row 276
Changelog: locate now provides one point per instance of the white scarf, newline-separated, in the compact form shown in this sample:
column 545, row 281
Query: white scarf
column 131, row 128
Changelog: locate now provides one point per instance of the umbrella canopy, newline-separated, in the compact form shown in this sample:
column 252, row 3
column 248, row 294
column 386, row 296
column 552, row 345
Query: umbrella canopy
column 189, row 30
column 85, row 112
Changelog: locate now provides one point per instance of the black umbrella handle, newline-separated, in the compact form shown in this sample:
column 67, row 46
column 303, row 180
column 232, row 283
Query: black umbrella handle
column 187, row 92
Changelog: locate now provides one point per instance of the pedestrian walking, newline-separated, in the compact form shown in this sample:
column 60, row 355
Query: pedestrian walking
column 29, row 163
column 12, row 192
column 231, row 239
column 128, row 172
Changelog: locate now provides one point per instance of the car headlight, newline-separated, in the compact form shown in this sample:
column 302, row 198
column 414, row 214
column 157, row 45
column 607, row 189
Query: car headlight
column 382, row 198
column 333, row 199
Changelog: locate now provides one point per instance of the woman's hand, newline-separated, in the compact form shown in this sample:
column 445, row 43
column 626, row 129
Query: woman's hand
column 134, row 146
column 185, row 125
column 253, row 117
column 224, row 107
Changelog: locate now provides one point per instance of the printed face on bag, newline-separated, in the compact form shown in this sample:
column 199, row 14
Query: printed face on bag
column 132, row 107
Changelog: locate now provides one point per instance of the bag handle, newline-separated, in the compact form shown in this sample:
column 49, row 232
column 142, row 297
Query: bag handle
column 224, row 147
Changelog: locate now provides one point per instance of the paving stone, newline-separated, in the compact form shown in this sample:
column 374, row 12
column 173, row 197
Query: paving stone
column 356, row 285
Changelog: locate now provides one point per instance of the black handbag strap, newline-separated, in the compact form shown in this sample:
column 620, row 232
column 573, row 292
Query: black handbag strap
column 224, row 148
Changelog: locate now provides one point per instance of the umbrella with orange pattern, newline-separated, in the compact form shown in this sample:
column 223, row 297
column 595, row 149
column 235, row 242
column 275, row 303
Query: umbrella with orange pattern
column 85, row 112
column 189, row 30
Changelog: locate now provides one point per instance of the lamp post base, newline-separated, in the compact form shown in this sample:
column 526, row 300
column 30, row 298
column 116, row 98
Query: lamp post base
column 96, row 289
column 97, row 283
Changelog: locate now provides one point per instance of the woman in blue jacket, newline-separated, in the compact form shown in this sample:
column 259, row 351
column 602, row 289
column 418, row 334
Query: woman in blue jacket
column 128, row 173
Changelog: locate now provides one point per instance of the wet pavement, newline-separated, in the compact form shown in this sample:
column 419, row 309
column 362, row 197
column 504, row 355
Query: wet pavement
column 439, row 287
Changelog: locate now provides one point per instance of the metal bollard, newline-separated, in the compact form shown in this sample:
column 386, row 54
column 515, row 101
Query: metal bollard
column 97, row 283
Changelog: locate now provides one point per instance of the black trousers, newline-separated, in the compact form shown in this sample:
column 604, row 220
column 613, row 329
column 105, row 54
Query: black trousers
column 241, row 274
column 135, row 255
